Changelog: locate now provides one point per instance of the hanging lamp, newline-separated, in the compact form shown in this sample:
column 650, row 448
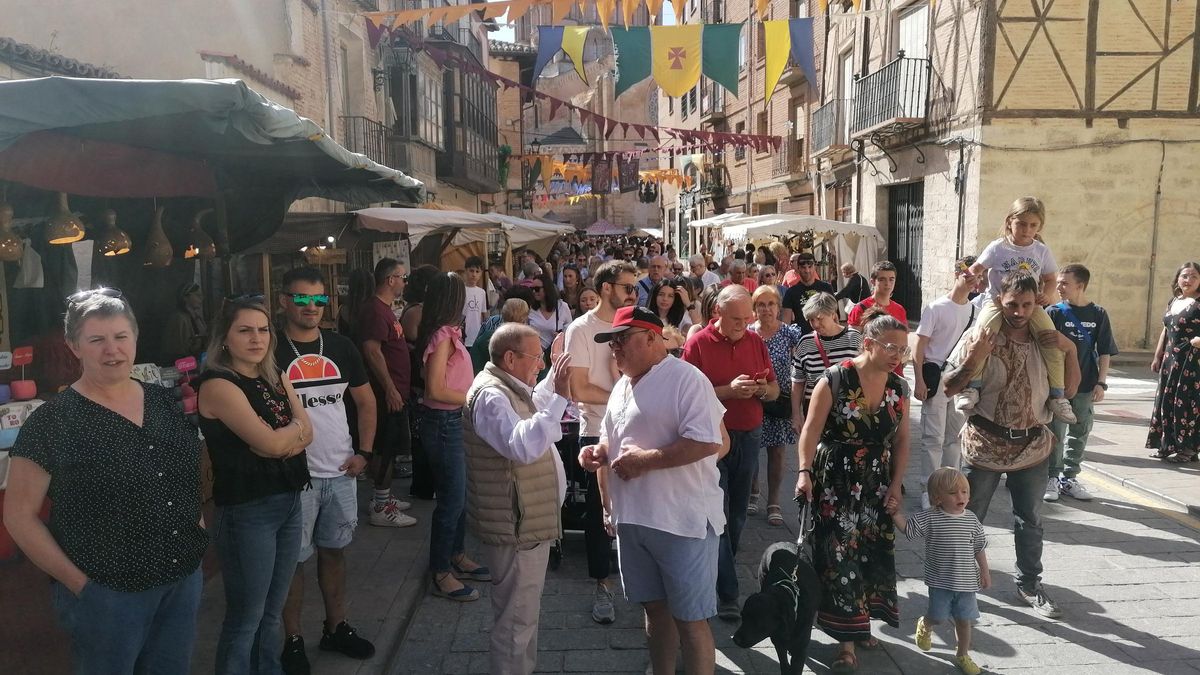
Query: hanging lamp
column 158, row 247
column 11, row 246
column 200, row 244
column 63, row 227
column 114, row 241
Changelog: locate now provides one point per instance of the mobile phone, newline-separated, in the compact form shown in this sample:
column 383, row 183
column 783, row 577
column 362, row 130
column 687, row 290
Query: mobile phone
column 762, row 374
column 962, row 267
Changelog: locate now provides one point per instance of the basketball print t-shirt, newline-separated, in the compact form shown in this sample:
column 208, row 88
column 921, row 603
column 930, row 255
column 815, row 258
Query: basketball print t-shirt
column 322, row 377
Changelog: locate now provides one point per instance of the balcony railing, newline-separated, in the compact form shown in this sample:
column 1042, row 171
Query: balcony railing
column 368, row 137
column 713, row 11
column 458, row 34
column 712, row 103
column 892, row 99
column 829, row 126
column 789, row 159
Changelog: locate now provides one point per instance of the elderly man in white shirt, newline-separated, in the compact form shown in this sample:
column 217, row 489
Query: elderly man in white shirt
column 515, row 484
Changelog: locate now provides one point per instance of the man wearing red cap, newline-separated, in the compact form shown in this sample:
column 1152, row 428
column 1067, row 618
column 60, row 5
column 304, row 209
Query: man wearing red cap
column 661, row 437
column 738, row 368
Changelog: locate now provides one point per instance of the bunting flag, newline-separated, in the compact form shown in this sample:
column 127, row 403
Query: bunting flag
column 654, row 7
column 573, row 39
column 604, row 8
column 550, row 39
column 628, row 7
column 627, row 173
column 788, row 38
column 602, row 169
column 719, row 55
column 632, row 46
column 676, row 57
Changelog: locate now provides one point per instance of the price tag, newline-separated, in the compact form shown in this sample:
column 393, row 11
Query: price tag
column 185, row 364
column 6, row 360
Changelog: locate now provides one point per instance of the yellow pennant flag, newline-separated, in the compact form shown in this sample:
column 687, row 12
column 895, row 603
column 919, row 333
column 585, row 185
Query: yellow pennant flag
column 760, row 6
column 822, row 6
column 572, row 44
column 778, row 46
column 628, row 7
column 605, row 9
column 675, row 61
column 857, row 4
column 547, row 170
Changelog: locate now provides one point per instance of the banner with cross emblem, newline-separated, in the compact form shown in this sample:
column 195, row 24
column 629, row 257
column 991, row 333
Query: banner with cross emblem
column 676, row 62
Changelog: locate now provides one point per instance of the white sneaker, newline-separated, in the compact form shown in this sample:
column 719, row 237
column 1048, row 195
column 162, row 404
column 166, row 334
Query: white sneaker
column 966, row 399
column 1061, row 408
column 925, row 501
column 1052, row 490
column 402, row 505
column 389, row 515
column 1071, row 487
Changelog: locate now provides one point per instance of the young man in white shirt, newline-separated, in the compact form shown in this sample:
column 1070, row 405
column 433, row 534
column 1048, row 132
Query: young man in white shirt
column 475, row 306
column 943, row 323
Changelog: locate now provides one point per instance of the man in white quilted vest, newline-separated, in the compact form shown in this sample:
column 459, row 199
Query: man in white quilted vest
column 515, row 484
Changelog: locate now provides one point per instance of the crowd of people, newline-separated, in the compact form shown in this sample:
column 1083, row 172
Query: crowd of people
column 675, row 375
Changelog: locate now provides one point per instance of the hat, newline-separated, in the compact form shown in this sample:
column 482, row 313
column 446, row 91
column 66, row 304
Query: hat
column 631, row 317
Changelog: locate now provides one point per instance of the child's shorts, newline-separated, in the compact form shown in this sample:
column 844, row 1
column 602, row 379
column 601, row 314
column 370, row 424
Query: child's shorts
column 959, row 605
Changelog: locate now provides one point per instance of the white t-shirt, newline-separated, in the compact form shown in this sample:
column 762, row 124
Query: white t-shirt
column 587, row 353
column 943, row 322
column 673, row 400
column 547, row 328
column 475, row 304
column 1001, row 257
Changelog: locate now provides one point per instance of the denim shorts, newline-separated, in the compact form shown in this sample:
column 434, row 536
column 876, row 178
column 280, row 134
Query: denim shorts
column 959, row 605
column 330, row 512
column 657, row 565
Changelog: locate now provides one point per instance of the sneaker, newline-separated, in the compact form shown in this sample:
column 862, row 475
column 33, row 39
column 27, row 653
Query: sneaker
column 924, row 635
column 1051, row 494
column 402, row 505
column 389, row 516
column 602, row 605
column 752, row 507
column 1071, row 487
column 345, row 639
column 728, row 610
column 1039, row 601
column 966, row 399
column 967, row 665
column 1061, row 408
column 294, row 660
column 925, row 501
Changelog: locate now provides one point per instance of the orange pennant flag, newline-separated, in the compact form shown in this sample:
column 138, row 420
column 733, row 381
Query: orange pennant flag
column 561, row 8
column 605, row 9
column 493, row 10
column 547, row 171
column 857, row 4
column 628, row 7
column 760, row 6
column 654, row 7
column 822, row 6
column 679, row 6
column 518, row 9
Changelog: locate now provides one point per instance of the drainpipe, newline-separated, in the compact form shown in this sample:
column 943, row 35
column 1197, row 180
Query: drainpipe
column 327, row 45
column 960, row 184
column 1150, row 316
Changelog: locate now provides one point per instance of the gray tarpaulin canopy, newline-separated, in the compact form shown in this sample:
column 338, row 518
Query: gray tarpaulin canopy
column 214, row 139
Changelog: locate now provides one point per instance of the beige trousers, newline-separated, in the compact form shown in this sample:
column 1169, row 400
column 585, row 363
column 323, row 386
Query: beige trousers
column 518, row 576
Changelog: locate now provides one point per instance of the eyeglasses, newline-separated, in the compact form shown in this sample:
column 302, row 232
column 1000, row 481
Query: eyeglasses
column 305, row 299
column 529, row 356
column 903, row 351
column 619, row 340
column 630, row 289
column 76, row 298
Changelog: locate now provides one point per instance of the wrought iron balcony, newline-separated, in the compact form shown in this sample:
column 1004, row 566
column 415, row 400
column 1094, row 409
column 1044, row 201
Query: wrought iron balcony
column 712, row 11
column 712, row 103
column 789, row 159
column 892, row 99
column 829, row 126
column 459, row 35
column 368, row 137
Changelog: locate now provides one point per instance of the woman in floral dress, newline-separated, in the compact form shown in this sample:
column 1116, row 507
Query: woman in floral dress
column 1175, row 420
column 853, row 454
column 781, row 340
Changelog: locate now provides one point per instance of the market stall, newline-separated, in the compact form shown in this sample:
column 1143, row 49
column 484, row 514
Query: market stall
column 833, row 242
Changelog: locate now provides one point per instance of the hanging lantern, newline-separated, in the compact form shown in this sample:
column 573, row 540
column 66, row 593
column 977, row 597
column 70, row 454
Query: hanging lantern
column 158, row 247
column 11, row 246
column 114, row 241
column 201, row 245
column 63, row 227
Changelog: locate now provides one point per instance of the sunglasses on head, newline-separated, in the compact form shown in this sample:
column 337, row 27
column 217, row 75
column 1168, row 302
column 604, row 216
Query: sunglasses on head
column 254, row 297
column 306, row 299
column 76, row 298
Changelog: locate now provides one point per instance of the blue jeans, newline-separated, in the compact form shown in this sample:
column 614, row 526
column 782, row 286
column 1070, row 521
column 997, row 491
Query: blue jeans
column 442, row 436
column 737, row 474
column 259, row 544
column 1026, row 488
column 149, row 632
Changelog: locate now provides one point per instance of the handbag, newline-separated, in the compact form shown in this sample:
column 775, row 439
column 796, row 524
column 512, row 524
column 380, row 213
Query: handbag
column 931, row 372
column 780, row 408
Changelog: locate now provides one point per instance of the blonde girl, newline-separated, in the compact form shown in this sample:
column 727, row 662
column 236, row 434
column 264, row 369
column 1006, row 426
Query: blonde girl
column 1020, row 248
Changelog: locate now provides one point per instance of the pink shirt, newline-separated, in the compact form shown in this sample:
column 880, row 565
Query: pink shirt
column 459, row 374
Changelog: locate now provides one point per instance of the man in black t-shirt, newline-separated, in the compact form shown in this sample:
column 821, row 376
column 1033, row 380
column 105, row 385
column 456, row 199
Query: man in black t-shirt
column 805, row 288
column 324, row 367
column 1095, row 346
column 856, row 289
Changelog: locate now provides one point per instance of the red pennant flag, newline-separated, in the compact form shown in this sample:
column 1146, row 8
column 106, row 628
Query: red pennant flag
column 554, row 106
column 625, row 129
column 653, row 131
column 776, row 142
column 640, row 129
column 612, row 126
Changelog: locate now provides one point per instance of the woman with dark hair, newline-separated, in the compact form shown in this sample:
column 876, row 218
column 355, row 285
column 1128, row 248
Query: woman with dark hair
column 572, row 285
column 550, row 315
column 256, row 429
column 423, row 484
column 360, row 287
column 853, row 454
column 1173, row 431
column 414, row 295
column 448, row 375
column 673, row 304
column 708, row 308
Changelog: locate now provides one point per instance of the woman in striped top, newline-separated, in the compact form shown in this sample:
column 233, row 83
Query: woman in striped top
column 809, row 361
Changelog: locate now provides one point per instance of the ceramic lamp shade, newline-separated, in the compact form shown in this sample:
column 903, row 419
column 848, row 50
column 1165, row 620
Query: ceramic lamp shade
column 63, row 227
column 114, row 241
column 200, row 244
column 158, row 247
column 11, row 247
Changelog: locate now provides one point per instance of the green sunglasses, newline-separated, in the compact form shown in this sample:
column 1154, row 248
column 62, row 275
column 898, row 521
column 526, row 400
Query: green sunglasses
column 301, row 299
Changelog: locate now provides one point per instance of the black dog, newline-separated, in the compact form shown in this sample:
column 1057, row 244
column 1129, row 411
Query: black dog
column 784, row 607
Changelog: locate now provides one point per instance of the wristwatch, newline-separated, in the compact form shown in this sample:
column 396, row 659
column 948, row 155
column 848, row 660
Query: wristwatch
column 1102, row 385
column 365, row 454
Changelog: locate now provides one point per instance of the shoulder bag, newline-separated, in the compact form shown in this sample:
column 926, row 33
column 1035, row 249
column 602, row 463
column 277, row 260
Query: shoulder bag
column 931, row 372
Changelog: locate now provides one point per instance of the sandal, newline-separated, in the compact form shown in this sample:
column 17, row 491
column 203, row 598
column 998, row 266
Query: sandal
column 752, row 507
column 1161, row 454
column 869, row 644
column 774, row 515
column 480, row 573
column 846, row 662
column 464, row 594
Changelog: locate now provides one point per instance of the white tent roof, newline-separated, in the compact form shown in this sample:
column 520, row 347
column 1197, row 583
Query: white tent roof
column 467, row 227
column 753, row 227
column 716, row 221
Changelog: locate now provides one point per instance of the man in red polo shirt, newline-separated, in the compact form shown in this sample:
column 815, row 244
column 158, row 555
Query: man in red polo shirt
column 737, row 364
column 883, row 282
